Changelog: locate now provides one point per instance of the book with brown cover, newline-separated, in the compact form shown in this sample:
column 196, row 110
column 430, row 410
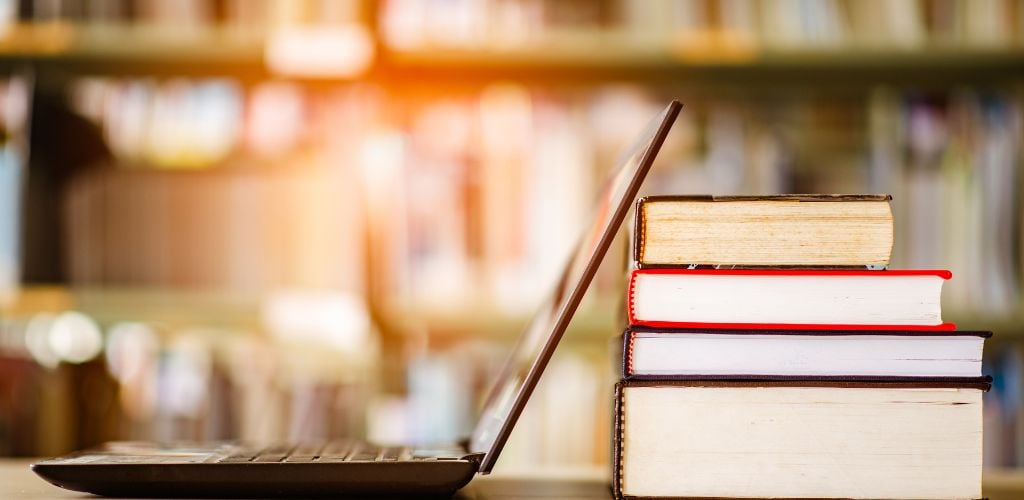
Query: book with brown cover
column 787, row 230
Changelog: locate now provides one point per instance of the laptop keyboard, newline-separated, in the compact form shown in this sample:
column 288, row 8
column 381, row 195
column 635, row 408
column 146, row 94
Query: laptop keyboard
column 342, row 450
column 333, row 451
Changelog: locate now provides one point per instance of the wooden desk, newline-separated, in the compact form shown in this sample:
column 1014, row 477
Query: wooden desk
column 17, row 482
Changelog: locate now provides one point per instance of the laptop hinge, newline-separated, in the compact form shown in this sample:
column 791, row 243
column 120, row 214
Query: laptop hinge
column 476, row 458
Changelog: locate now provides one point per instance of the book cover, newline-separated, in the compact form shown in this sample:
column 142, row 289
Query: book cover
column 630, row 372
column 792, row 230
column 775, row 298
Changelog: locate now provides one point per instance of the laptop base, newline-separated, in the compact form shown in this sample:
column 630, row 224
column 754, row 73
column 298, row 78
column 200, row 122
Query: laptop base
column 149, row 470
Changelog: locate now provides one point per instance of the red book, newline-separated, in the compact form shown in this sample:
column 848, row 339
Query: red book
column 796, row 299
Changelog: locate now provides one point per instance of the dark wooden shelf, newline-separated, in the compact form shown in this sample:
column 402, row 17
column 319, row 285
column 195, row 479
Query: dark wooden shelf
column 587, row 56
column 133, row 50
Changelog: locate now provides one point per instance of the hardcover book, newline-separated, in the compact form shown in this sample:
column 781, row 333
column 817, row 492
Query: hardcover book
column 759, row 231
column 660, row 353
column 798, row 439
column 787, row 299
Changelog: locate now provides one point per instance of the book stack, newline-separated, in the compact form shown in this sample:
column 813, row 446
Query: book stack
column 770, row 353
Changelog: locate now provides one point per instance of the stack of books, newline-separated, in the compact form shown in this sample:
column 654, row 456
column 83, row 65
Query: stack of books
column 770, row 353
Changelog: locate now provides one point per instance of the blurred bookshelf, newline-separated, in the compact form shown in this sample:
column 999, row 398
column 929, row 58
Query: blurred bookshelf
column 131, row 49
column 610, row 39
column 400, row 206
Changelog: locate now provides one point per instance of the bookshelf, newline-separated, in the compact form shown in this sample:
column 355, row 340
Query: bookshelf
column 762, row 115
column 162, row 52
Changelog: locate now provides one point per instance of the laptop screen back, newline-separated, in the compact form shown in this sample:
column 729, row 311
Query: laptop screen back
column 523, row 369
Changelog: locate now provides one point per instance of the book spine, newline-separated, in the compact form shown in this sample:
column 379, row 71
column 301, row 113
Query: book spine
column 631, row 299
column 639, row 233
column 627, row 353
column 618, row 430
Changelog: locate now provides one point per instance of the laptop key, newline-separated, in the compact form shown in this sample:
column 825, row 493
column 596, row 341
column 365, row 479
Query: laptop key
column 292, row 459
column 362, row 457
column 269, row 458
column 306, row 452
column 337, row 451
column 238, row 457
column 393, row 453
column 273, row 454
column 363, row 453
column 337, row 448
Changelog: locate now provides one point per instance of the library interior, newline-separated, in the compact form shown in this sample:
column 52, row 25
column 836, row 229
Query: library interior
column 291, row 220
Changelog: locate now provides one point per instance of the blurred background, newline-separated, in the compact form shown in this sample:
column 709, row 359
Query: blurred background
column 299, row 219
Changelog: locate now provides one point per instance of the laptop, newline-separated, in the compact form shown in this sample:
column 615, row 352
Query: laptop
column 351, row 467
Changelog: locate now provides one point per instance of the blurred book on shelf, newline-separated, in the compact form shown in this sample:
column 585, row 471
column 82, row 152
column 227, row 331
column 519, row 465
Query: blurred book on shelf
column 725, row 30
column 15, row 94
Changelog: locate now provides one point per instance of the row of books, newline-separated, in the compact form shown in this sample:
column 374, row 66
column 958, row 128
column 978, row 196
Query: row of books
column 236, row 231
column 801, row 367
column 724, row 25
column 482, row 201
column 683, row 24
column 184, row 15
column 952, row 160
column 153, row 383
column 286, row 187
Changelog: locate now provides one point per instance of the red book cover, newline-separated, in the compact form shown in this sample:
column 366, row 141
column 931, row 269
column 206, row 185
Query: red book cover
column 634, row 318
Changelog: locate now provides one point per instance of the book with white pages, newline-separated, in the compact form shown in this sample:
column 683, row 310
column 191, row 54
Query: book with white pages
column 655, row 353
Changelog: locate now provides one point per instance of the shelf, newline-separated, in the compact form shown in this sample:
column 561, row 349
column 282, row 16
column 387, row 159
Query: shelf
column 1003, row 483
column 1003, row 326
column 133, row 49
column 602, row 54
column 598, row 318
column 35, row 300
column 610, row 56
column 172, row 308
column 586, row 55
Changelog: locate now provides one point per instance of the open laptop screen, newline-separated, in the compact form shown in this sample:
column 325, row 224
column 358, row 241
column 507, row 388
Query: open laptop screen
column 531, row 354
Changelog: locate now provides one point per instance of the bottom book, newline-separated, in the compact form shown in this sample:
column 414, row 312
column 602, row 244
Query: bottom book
column 798, row 439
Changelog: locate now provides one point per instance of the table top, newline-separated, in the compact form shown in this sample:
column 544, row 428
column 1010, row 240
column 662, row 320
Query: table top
column 17, row 482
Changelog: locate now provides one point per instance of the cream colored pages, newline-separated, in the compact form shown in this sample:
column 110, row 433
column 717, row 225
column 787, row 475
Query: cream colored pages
column 802, row 442
column 772, row 233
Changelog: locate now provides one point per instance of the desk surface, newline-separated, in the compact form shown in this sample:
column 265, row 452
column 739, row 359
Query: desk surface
column 17, row 482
